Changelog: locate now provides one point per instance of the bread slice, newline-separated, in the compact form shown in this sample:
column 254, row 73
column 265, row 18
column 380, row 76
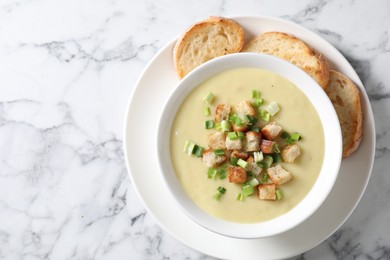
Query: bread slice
column 345, row 97
column 294, row 50
column 205, row 40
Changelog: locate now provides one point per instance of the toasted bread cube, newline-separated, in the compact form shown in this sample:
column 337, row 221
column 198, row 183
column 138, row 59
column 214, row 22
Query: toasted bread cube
column 290, row 153
column 236, row 174
column 271, row 130
column 245, row 108
column 222, row 112
column 233, row 144
column 253, row 140
column 267, row 191
column 241, row 128
column 216, row 141
column 253, row 167
column 279, row 175
column 239, row 155
column 267, row 146
column 210, row 159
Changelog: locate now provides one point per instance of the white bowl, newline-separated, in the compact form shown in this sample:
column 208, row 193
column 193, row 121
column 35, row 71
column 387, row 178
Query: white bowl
column 332, row 155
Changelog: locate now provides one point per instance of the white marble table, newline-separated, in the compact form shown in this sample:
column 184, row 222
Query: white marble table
column 67, row 69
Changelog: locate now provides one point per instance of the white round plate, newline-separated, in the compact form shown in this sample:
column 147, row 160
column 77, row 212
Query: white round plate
column 148, row 97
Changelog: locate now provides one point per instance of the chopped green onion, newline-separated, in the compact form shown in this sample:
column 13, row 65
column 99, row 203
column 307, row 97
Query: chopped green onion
column 219, row 193
column 268, row 160
column 295, row 136
column 276, row 148
column 198, row 150
column 189, row 147
column 219, row 152
column 242, row 163
column 264, row 115
column 256, row 94
column 232, row 135
column 285, row 135
column 252, row 120
column 276, row 157
column 254, row 129
column 264, row 178
column 240, row 135
column 208, row 124
column 208, row 99
column 206, row 111
column 240, row 197
column 279, row 194
column 222, row 173
column 233, row 161
column 248, row 190
column 272, row 108
column 221, row 190
column 225, row 126
column 212, row 173
column 254, row 182
column 250, row 173
column 257, row 102
column 258, row 156
column 234, row 119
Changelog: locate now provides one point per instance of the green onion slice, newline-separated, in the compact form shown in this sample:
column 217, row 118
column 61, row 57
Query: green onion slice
column 276, row 157
column 264, row 115
column 198, row 150
column 248, row 190
column 233, row 161
column 264, row 178
column 279, row 194
column 240, row 135
column 208, row 99
column 256, row 94
column 232, row 135
column 240, row 197
column 258, row 156
column 212, row 173
column 268, row 160
column 242, row 163
column 189, row 147
column 272, row 108
column 225, row 126
column 208, row 124
column 253, row 182
column 295, row 136
column 206, row 111
column 219, row 152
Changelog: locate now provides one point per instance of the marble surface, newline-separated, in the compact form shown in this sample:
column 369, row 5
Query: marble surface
column 67, row 69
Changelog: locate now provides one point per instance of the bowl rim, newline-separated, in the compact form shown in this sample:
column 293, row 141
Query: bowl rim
column 310, row 203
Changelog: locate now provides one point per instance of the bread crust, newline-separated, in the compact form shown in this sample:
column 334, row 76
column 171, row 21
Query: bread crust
column 294, row 50
column 345, row 97
column 185, row 43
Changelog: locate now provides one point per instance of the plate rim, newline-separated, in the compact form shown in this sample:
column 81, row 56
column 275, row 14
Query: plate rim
column 256, row 17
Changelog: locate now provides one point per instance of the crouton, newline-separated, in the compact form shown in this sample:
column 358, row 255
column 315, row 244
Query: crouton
column 253, row 167
column 222, row 112
column 233, row 144
column 245, row 108
column 240, row 128
column 239, row 155
column 253, row 140
column 279, row 175
column 267, row 191
column 236, row 174
column 267, row 146
column 210, row 159
column 271, row 130
column 290, row 153
column 216, row 141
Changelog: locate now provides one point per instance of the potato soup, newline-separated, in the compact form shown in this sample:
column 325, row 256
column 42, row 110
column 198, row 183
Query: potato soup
column 296, row 114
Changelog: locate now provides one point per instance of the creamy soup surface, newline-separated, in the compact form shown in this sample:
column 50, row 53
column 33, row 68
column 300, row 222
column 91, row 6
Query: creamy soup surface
column 296, row 115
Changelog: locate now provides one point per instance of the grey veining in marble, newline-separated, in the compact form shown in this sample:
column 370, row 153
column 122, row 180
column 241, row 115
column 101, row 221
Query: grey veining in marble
column 67, row 69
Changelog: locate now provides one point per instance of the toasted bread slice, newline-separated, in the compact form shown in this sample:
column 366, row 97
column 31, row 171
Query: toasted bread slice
column 205, row 40
column 345, row 97
column 294, row 50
